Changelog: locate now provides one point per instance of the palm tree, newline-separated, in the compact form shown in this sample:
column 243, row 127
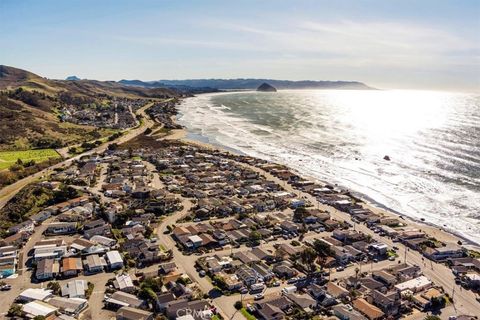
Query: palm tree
column 357, row 270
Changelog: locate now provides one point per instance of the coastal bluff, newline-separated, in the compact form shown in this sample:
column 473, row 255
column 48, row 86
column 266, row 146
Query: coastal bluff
column 265, row 87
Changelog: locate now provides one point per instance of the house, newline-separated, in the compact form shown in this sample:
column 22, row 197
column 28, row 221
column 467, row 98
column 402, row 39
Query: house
column 41, row 216
column 69, row 306
column 405, row 272
column 47, row 269
column 379, row 248
column 289, row 226
column 122, row 299
column 231, row 281
column 196, row 241
column 104, row 241
column 424, row 299
column 284, row 270
column 444, row 253
column 71, row 266
column 128, row 313
column 262, row 254
column 180, row 308
column 8, row 265
column 26, row 226
column 114, row 260
column 273, row 309
column 304, row 301
column 388, row 302
column 336, row 291
column 81, row 244
column 94, row 263
column 74, row 289
column 32, row 294
column 367, row 309
column 384, row 277
column 61, row 228
column 103, row 230
column 168, row 267
column 414, row 285
column 35, row 309
column 263, row 271
column 123, row 282
column 341, row 255
column 15, row 239
column 163, row 300
column 247, row 275
column 49, row 252
column 345, row 312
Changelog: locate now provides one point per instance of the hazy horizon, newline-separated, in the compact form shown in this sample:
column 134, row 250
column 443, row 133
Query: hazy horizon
column 388, row 45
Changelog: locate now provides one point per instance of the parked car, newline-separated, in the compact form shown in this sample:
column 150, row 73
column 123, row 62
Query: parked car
column 202, row 273
column 292, row 280
column 341, row 268
column 258, row 296
column 5, row 287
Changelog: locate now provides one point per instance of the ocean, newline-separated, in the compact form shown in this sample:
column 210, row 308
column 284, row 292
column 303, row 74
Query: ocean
column 342, row 137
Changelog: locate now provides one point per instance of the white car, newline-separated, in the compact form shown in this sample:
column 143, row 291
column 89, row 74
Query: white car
column 258, row 296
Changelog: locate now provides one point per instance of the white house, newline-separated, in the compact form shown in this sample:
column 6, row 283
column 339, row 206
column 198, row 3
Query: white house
column 114, row 260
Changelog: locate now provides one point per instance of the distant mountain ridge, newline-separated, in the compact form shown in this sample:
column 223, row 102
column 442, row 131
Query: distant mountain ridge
column 248, row 84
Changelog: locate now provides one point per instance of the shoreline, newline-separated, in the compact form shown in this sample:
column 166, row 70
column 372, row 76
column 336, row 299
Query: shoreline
column 430, row 228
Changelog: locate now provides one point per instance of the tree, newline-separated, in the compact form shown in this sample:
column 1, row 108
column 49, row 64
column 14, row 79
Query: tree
column 308, row 257
column 255, row 236
column 54, row 286
column 432, row 317
column 15, row 310
column 323, row 250
column 299, row 214
column 238, row 305
column 357, row 271
column 112, row 146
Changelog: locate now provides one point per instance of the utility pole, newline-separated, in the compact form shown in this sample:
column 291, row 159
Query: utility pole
column 453, row 301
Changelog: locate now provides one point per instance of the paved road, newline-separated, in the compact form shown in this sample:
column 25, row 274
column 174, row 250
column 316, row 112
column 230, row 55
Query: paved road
column 9, row 191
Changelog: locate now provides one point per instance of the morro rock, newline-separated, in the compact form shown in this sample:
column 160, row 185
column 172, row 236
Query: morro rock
column 72, row 78
column 265, row 87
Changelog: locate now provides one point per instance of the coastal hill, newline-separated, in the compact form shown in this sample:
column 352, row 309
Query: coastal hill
column 249, row 84
column 265, row 87
column 30, row 105
column 182, row 88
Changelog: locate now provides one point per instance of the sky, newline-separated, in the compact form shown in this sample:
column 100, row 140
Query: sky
column 394, row 44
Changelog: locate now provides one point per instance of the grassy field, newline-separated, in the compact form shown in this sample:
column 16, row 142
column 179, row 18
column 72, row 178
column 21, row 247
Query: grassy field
column 7, row 158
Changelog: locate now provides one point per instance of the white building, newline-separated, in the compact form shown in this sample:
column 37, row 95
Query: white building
column 38, row 308
column 114, row 259
column 414, row 285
